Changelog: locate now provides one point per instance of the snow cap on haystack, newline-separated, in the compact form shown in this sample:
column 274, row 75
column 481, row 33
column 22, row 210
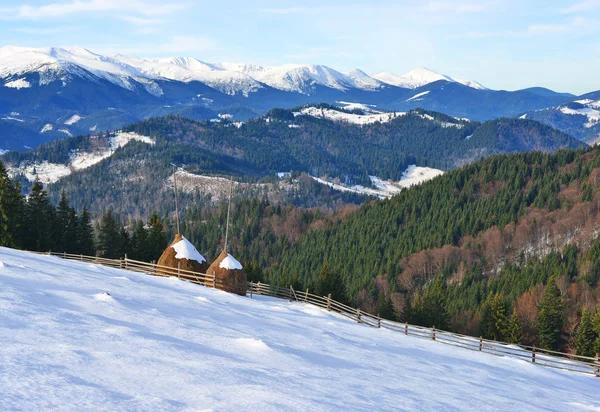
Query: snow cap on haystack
column 229, row 274
column 183, row 254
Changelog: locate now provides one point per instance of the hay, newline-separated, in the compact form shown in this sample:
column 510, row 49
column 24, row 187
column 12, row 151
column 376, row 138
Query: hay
column 169, row 259
column 229, row 280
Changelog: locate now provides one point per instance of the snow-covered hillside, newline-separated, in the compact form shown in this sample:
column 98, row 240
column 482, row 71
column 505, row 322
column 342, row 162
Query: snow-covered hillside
column 413, row 175
column 52, row 172
column 77, row 336
column 337, row 115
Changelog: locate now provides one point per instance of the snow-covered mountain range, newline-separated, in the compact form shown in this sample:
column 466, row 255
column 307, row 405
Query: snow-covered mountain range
column 230, row 78
column 49, row 93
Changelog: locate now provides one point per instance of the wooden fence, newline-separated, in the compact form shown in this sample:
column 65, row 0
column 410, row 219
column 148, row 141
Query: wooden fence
column 543, row 357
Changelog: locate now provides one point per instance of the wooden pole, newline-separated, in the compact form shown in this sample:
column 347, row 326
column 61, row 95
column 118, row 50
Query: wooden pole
column 378, row 321
column 329, row 302
column 358, row 316
column 228, row 210
column 126, row 265
column 179, row 270
column 433, row 333
column 406, row 328
column 597, row 362
column 176, row 204
column 306, row 296
column 81, row 257
column 480, row 344
column 214, row 280
column 533, row 354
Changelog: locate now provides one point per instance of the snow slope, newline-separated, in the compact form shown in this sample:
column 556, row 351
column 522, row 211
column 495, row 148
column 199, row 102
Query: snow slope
column 413, row 175
column 76, row 336
column 52, row 172
column 420, row 77
column 340, row 116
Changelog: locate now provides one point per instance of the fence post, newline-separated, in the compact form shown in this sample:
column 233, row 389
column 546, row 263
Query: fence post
column 179, row 270
column 597, row 362
column 358, row 316
column 251, row 290
column 533, row 354
column 480, row 344
column 81, row 257
column 215, row 280
column 433, row 333
column 378, row 321
column 406, row 328
column 126, row 261
column 329, row 302
column 306, row 296
column 64, row 254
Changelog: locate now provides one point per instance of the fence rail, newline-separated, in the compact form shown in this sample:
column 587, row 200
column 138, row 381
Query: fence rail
column 552, row 359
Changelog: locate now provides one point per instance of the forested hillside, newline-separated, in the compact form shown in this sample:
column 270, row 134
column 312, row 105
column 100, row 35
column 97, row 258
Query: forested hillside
column 133, row 180
column 464, row 251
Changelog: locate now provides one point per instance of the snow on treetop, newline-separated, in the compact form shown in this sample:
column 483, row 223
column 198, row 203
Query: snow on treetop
column 185, row 250
column 230, row 263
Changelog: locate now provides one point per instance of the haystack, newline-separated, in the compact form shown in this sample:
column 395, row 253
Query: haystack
column 182, row 252
column 229, row 274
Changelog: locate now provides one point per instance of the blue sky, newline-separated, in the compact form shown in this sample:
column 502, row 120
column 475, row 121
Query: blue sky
column 504, row 44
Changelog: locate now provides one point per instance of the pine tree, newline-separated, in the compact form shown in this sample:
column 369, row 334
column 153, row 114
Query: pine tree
column 585, row 337
column 550, row 317
column 85, row 234
column 514, row 330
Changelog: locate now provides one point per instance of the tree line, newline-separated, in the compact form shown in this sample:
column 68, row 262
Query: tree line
column 32, row 223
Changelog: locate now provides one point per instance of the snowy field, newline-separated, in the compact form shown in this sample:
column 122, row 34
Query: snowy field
column 76, row 336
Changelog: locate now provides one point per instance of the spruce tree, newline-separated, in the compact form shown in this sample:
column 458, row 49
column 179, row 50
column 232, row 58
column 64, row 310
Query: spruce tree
column 39, row 220
column 514, row 331
column 109, row 236
column 385, row 308
column 585, row 337
column 85, row 234
column 157, row 239
column 430, row 308
column 596, row 328
column 494, row 323
column 66, row 221
column 139, row 242
column 6, row 238
column 329, row 281
column 550, row 317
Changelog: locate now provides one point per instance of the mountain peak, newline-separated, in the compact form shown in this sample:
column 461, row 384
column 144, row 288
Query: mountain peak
column 420, row 77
